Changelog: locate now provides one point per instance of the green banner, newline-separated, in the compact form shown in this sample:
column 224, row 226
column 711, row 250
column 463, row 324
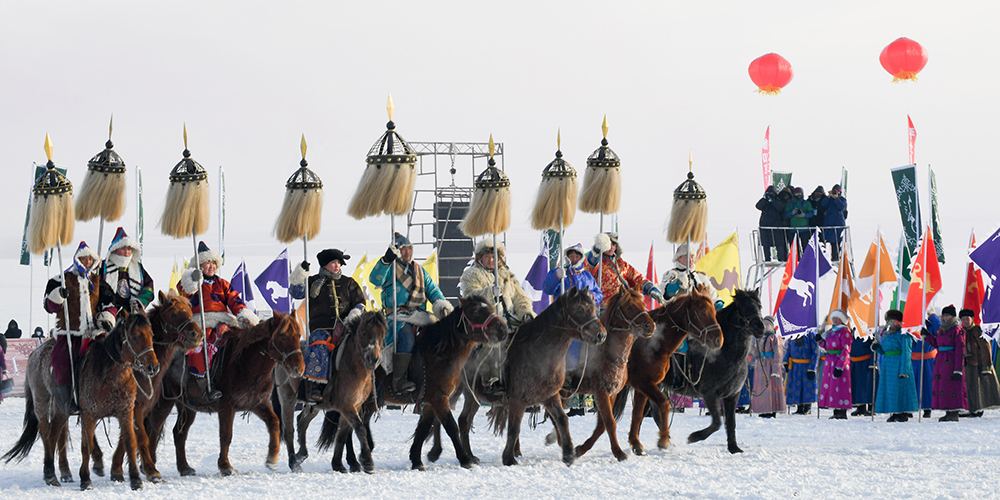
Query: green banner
column 781, row 180
column 905, row 181
column 25, row 255
column 552, row 241
column 139, row 230
column 903, row 265
column 843, row 180
column 935, row 218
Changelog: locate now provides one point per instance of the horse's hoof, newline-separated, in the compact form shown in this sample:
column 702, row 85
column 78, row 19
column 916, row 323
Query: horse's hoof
column 621, row 458
column 434, row 455
column 468, row 464
column 295, row 467
column 118, row 477
column 135, row 483
column 638, row 450
column 355, row 467
column 578, row 452
column 569, row 460
column 186, row 471
column 551, row 439
column 98, row 469
column 418, row 466
column 52, row 481
column 509, row 461
column 66, row 478
column 227, row 472
column 474, row 459
column 735, row 449
column 271, row 465
column 154, row 478
column 368, row 468
column 86, row 484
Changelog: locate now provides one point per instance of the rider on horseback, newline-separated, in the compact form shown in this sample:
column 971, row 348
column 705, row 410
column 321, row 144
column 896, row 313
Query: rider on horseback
column 222, row 302
column 122, row 279
column 612, row 272
column 333, row 299
column 80, row 298
column 413, row 289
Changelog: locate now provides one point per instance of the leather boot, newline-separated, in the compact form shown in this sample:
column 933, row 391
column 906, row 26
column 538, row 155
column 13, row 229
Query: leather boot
column 949, row 416
column 400, row 365
column 65, row 395
column 314, row 391
column 927, row 414
column 198, row 393
column 804, row 409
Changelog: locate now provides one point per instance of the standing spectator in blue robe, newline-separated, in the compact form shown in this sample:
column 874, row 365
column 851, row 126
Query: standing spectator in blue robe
column 800, row 359
column 924, row 353
column 834, row 207
column 896, row 394
column 863, row 376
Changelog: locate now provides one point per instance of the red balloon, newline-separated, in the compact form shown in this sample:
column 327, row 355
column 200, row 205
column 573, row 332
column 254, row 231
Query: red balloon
column 770, row 72
column 903, row 59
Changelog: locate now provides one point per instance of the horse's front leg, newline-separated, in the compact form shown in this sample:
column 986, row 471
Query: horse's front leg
column 729, row 409
column 436, row 448
column 355, row 422
column 662, row 403
column 306, row 416
column 443, row 412
column 185, row 418
column 266, row 413
column 340, row 440
column 226, row 415
column 553, row 406
column 86, row 443
column 419, row 435
column 515, row 412
column 712, row 403
column 53, row 439
column 142, row 447
column 126, row 435
column 154, row 421
column 286, row 402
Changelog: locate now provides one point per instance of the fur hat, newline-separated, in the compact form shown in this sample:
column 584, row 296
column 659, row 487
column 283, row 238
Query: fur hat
column 122, row 240
column 948, row 309
column 839, row 313
column 771, row 320
column 401, row 241
column 486, row 245
column 331, row 254
column 894, row 314
column 578, row 248
column 967, row 313
column 682, row 251
column 205, row 254
column 85, row 251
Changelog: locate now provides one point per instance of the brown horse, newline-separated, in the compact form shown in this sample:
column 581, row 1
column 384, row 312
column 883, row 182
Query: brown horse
column 107, row 387
column 349, row 388
column 603, row 371
column 242, row 370
column 689, row 315
column 535, row 367
column 173, row 331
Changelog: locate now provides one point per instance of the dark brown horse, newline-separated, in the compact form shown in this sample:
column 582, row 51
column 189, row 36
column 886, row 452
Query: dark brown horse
column 689, row 315
column 535, row 367
column 107, row 388
column 603, row 371
column 350, row 386
column 242, row 370
column 173, row 331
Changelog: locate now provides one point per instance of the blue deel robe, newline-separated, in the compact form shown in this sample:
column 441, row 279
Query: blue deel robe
column 381, row 276
column 802, row 354
column 863, row 374
column 896, row 392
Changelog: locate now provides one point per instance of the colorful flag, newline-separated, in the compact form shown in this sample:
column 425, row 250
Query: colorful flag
column 863, row 306
column 430, row 266
column 987, row 257
column 790, row 264
column 552, row 243
column 781, row 180
column 222, row 214
column 797, row 311
column 765, row 157
column 364, row 269
column 903, row 264
column 651, row 277
column 911, row 134
column 925, row 283
column 843, row 288
column 241, row 283
column 722, row 266
column 843, row 181
column 975, row 291
column 905, row 181
column 175, row 276
column 533, row 281
column 139, row 221
column 935, row 217
column 273, row 284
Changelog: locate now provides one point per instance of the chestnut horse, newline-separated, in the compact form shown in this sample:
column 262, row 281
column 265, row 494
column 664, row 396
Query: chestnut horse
column 107, row 388
column 242, row 370
column 603, row 371
column 173, row 331
column 349, row 388
column 535, row 367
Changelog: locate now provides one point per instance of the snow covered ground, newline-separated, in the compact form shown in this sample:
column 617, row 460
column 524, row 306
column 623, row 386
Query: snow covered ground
column 790, row 456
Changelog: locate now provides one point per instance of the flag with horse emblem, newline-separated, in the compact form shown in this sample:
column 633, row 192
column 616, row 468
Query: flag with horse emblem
column 273, row 284
column 797, row 311
column 722, row 266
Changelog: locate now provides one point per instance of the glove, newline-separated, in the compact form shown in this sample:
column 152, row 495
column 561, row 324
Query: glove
column 391, row 254
column 305, row 265
column 63, row 292
column 798, row 213
column 657, row 296
column 560, row 273
column 811, row 374
column 837, row 372
column 719, row 304
column 788, row 367
column 196, row 275
column 496, row 290
column 355, row 312
column 56, row 296
column 527, row 317
column 955, row 376
column 602, row 243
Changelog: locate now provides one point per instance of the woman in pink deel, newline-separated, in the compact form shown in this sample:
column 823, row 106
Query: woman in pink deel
column 835, row 387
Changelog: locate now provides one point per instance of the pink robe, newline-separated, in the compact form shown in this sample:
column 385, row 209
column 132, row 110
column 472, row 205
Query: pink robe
column 835, row 392
column 768, row 394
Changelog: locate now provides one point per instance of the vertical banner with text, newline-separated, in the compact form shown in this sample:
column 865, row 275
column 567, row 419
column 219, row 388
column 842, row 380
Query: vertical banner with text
column 911, row 134
column 905, row 181
column 935, row 217
column 765, row 157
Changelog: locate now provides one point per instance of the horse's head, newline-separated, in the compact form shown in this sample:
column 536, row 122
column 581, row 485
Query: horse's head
column 172, row 322
column 581, row 316
column 701, row 322
column 137, row 341
column 627, row 311
column 368, row 331
column 480, row 318
column 284, row 346
column 746, row 308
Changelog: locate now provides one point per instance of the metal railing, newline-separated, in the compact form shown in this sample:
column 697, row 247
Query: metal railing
column 779, row 241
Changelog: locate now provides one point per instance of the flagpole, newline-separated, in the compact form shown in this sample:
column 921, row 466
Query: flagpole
column 875, row 297
column 923, row 312
column 816, row 254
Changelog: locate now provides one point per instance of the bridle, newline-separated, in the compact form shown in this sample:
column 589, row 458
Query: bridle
column 699, row 334
column 284, row 355
column 136, row 365
column 483, row 327
column 630, row 324
column 576, row 325
column 178, row 329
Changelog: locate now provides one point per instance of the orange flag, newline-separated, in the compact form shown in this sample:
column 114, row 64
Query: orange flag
column 843, row 289
column 863, row 306
column 925, row 283
column 790, row 265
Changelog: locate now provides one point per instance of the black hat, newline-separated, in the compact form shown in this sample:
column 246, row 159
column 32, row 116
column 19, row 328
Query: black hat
column 894, row 314
column 330, row 254
column 967, row 313
column 949, row 310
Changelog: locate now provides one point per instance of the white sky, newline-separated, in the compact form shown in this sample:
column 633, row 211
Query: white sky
column 249, row 77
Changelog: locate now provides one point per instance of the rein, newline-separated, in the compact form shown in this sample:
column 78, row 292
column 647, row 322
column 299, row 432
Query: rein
column 274, row 346
column 630, row 323
column 467, row 324
column 174, row 328
column 136, row 366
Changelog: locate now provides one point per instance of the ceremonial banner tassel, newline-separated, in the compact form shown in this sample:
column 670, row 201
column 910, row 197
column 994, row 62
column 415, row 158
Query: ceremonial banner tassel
column 489, row 211
column 689, row 213
column 390, row 176
column 103, row 191
column 555, row 205
column 602, row 183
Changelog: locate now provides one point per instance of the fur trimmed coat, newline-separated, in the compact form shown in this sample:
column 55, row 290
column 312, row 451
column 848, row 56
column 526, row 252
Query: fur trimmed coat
column 516, row 304
column 608, row 279
column 81, row 301
column 223, row 304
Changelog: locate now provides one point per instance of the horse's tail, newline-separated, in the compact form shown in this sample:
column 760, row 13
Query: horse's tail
column 498, row 418
column 618, row 407
column 327, row 436
column 30, row 433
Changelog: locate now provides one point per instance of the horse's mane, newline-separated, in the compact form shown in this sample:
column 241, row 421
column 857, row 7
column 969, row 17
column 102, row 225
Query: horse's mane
column 616, row 301
column 166, row 302
column 240, row 339
column 441, row 334
column 554, row 313
column 106, row 351
column 731, row 318
column 366, row 321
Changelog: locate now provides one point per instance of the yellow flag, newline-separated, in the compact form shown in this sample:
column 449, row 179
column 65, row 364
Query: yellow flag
column 175, row 276
column 373, row 294
column 722, row 266
column 431, row 268
column 864, row 301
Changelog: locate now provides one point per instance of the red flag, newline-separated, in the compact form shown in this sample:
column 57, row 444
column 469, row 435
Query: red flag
column 975, row 292
column 650, row 276
column 913, row 316
column 765, row 157
column 790, row 265
column 911, row 133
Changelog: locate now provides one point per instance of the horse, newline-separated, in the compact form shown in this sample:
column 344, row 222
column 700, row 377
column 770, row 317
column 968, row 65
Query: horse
column 107, row 387
column 719, row 375
column 349, row 388
column 689, row 315
column 242, row 370
column 535, row 367
column 173, row 331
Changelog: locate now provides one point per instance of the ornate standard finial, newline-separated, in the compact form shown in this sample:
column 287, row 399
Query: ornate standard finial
column 303, row 146
column 389, row 107
column 690, row 160
column 492, row 146
column 604, row 127
column 558, row 139
column 48, row 147
column 111, row 127
column 185, row 136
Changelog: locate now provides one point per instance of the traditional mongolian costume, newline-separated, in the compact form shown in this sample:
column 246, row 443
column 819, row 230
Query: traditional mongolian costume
column 835, row 388
column 123, row 279
column 614, row 272
column 768, row 397
column 980, row 379
column 949, row 391
column 896, row 393
column 800, row 359
column 863, row 376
